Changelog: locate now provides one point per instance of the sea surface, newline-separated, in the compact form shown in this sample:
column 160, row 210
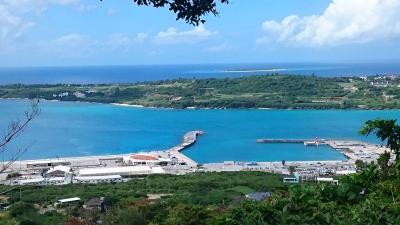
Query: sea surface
column 80, row 129
column 129, row 74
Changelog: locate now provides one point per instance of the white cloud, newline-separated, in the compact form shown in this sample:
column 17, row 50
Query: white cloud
column 219, row 48
column 11, row 26
column 80, row 45
column 141, row 37
column 71, row 44
column 17, row 16
column 70, row 40
column 173, row 36
column 118, row 41
column 343, row 21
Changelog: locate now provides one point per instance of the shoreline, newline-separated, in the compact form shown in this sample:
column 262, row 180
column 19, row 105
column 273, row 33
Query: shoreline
column 177, row 163
column 350, row 149
column 207, row 108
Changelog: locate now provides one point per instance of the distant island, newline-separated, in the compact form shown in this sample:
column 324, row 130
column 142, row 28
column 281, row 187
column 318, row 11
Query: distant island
column 268, row 91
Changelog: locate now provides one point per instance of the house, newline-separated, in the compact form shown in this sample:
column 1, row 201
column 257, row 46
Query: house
column 95, row 203
column 295, row 178
column 258, row 196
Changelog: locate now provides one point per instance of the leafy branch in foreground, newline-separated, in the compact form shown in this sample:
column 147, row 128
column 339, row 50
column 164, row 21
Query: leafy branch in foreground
column 386, row 130
column 16, row 128
column 192, row 11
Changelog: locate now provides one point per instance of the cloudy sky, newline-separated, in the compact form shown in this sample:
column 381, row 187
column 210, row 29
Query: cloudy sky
column 90, row 32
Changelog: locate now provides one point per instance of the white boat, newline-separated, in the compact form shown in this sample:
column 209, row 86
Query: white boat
column 311, row 143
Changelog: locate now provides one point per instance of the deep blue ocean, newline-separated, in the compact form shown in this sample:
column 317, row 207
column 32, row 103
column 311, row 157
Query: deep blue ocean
column 128, row 74
column 79, row 129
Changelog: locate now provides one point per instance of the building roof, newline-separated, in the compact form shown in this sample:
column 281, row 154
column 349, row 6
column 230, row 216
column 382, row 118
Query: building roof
column 325, row 179
column 66, row 200
column 258, row 196
column 144, row 157
column 64, row 169
column 88, row 178
column 44, row 161
column 344, row 172
column 115, row 170
column 94, row 202
column 30, row 181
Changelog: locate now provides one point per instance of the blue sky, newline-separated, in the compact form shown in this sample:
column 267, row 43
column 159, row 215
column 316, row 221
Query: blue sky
column 90, row 32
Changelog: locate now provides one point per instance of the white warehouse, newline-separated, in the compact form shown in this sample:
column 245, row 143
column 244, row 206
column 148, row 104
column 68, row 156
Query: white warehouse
column 123, row 171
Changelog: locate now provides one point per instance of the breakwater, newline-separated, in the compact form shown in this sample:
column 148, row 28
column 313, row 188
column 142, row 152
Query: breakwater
column 294, row 141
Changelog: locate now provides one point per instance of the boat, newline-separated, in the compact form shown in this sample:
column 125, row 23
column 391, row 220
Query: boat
column 311, row 143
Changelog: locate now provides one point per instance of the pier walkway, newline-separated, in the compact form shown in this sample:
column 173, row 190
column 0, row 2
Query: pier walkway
column 269, row 140
column 188, row 140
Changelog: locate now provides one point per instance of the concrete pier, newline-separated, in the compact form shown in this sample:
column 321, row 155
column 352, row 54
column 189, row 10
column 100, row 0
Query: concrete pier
column 189, row 139
column 289, row 141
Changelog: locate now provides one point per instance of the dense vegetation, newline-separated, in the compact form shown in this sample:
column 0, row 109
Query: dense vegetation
column 272, row 91
column 371, row 197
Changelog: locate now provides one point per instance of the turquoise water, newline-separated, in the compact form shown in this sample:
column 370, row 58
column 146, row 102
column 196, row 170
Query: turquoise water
column 79, row 129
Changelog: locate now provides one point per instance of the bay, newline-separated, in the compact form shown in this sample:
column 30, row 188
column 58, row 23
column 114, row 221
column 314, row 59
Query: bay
column 66, row 129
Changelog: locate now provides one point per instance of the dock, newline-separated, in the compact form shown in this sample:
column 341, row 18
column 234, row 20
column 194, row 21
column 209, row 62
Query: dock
column 189, row 139
column 353, row 150
column 267, row 140
column 306, row 142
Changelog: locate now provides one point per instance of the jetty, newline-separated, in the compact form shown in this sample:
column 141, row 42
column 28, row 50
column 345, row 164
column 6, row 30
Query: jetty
column 268, row 140
column 306, row 142
column 189, row 139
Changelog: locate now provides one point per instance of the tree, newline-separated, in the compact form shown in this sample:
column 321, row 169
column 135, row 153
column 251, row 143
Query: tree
column 16, row 128
column 386, row 130
column 192, row 11
column 383, row 161
column 292, row 169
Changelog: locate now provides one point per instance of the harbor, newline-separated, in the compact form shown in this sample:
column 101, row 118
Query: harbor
column 117, row 168
column 106, row 168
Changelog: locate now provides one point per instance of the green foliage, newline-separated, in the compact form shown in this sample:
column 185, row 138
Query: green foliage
column 369, row 197
column 386, row 130
column 190, row 11
column 270, row 91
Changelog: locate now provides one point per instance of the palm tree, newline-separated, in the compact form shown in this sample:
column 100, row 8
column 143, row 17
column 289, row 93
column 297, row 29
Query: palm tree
column 386, row 130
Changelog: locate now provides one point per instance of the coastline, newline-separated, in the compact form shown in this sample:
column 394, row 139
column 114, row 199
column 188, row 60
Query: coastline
column 353, row 150
column 208, row 108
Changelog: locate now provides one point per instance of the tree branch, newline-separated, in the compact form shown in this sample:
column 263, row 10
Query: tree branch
column 16, row 128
